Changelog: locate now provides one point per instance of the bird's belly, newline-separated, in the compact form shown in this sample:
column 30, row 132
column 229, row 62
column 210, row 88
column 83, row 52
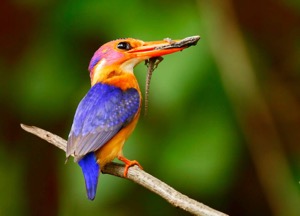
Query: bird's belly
column 113, row 148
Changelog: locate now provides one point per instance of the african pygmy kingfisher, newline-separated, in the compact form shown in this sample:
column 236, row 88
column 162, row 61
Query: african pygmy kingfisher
column 109, row 112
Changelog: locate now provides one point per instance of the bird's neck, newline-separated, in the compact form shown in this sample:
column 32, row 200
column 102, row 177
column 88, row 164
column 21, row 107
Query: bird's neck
column 118, row 78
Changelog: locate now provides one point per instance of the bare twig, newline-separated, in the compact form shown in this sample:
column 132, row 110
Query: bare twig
column 138, row 176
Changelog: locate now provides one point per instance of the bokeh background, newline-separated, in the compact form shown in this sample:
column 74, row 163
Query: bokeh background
column 224, row 116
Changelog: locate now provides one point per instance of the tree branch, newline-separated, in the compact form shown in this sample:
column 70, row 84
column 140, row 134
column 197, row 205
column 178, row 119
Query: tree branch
column 138, row 176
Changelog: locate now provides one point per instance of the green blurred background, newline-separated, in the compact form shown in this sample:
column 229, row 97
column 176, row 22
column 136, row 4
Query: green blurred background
column 224, row 116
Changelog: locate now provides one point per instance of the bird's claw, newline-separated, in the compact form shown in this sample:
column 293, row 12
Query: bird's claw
column 128, row 164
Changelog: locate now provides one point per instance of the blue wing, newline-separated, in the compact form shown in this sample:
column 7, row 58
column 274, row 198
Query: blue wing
column 99, row 116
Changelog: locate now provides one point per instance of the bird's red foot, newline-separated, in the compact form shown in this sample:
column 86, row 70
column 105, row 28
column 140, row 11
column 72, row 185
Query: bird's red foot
column 128, row 163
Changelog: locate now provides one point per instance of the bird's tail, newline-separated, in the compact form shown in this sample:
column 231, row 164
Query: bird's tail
column 91, row 171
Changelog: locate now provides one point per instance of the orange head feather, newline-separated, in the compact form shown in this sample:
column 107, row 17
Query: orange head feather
column 120, row 56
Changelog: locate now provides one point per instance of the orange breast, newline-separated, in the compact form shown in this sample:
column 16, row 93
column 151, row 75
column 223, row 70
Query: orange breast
column 123, row 81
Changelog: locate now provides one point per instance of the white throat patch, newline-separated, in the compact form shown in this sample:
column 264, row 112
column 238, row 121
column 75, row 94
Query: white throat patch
column 129, row 65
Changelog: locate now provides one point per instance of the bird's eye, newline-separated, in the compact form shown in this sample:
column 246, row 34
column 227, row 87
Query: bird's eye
column 124, row 46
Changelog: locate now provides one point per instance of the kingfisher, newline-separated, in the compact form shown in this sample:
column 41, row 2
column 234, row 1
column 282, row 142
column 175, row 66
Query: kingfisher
column 110, row 110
